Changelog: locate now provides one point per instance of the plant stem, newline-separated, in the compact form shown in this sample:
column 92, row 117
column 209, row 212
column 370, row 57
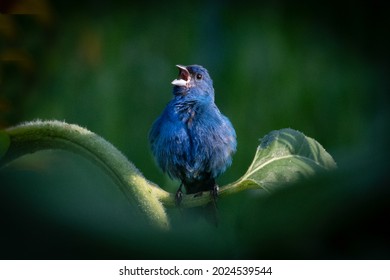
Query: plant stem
column 42, row 135
column 34, row 136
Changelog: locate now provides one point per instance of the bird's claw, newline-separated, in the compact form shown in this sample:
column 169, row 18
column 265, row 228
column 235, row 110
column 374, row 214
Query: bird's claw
column 214, row 192
column 178, row 197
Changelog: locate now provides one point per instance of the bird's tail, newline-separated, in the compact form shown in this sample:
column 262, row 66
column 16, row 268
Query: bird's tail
column 210, row 211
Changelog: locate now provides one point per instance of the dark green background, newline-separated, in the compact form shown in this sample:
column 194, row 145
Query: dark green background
column 321, row 68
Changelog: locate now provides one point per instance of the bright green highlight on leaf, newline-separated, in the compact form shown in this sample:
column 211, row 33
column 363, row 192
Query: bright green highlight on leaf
column 283, row 157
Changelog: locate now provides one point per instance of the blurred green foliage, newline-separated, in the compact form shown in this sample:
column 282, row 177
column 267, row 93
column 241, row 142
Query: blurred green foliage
column 320, row 68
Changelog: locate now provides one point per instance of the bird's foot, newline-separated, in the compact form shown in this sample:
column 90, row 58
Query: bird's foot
column 179, row 196
column 214, row 207
column 214, row 192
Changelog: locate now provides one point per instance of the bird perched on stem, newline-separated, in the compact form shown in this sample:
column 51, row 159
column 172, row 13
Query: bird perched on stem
column 191, row 140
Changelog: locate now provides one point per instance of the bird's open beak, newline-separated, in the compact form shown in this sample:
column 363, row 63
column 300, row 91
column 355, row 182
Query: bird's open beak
column 184, row 77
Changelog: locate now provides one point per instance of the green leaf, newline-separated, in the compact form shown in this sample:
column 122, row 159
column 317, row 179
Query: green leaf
column 4, row 143
column 284, row 156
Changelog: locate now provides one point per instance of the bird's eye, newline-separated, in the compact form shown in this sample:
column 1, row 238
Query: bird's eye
column 199, row 76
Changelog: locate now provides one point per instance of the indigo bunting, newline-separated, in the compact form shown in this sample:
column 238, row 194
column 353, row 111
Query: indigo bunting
column 191, row 140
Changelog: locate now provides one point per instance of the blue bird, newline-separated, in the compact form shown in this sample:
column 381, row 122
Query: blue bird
column 191, row 140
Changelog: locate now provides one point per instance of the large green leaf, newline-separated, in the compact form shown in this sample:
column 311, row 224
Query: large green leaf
column 285, row 156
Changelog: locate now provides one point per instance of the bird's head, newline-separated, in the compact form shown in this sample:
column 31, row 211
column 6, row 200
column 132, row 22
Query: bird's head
column 193, row 79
